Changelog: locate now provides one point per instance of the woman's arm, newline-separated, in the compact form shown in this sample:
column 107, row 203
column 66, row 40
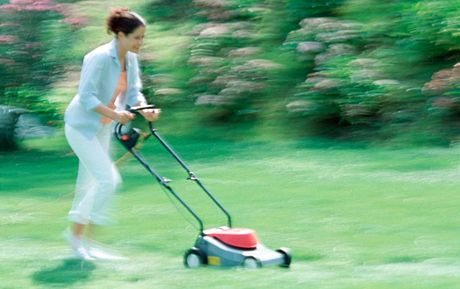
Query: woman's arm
column 122, row 117
column 91, row 74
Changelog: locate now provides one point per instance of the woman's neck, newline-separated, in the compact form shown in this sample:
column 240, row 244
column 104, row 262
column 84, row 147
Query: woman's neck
column 122, row 56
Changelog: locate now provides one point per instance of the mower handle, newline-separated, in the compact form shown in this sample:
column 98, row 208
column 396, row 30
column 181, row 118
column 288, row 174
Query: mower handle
column 136, row 109
column 132, row 109
column 130, row 144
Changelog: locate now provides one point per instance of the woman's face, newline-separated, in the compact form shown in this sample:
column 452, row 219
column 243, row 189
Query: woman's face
column 132, row 41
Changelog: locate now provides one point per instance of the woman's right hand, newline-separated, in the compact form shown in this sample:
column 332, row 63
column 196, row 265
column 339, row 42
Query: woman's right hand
column 124, row 116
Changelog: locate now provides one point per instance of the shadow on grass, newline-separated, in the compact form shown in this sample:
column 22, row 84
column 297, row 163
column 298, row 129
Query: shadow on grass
column 69, row 272
column 308, row 257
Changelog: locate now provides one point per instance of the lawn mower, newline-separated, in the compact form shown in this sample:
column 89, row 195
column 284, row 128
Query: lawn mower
column 222, row 246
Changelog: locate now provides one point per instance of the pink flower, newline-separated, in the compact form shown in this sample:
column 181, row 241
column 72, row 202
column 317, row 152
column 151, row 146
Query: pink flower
column 7, row 39
column 32, row 2
column 21, row 2
column 76, row 21
column 64, row 9
column 11, row 7
column 40, row 7
column 30, row 5
column 444, row 102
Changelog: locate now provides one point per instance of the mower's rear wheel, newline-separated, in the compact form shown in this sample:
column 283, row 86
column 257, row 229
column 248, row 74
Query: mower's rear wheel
column 251, row 263
column 194, row 258
column 286, row 252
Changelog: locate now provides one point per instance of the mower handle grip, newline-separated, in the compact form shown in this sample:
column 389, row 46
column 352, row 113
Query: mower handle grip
column 136, row 109
column 133, row 109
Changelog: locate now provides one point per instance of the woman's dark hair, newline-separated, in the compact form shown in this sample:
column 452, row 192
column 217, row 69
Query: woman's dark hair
column 123, row 20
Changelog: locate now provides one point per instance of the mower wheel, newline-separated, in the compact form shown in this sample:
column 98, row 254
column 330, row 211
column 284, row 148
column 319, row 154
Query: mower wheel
column 251, row 263
column 194, row 258
column 286, row 252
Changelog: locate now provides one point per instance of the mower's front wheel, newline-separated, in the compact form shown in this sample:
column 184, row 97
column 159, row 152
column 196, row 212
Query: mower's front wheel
column 286, row 252
column 251, row 263
column 194, row 258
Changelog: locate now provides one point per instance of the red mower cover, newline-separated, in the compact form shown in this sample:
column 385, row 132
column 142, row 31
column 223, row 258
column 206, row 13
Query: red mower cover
column 236, row 237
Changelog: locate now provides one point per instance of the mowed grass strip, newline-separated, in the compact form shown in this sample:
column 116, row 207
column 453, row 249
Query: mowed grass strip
column 354, row 217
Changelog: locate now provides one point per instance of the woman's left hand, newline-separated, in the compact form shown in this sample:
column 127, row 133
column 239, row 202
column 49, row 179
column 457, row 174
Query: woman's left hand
column 151, row 114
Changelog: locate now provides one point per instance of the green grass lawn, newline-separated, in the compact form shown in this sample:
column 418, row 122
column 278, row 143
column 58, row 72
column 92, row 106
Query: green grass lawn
column 354, row 217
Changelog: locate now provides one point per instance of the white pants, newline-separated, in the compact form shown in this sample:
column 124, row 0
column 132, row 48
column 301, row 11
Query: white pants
column 97, row 178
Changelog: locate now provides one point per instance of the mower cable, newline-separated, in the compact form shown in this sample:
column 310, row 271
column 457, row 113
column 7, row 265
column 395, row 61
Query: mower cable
column 181, row 212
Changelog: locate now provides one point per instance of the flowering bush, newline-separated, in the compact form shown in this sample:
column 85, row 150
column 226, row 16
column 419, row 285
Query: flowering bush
column 31, row 58
column 31, row 50
column 372, row 64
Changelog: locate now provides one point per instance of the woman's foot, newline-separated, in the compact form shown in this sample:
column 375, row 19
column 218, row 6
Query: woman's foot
column 77, row 246
column 82, row 254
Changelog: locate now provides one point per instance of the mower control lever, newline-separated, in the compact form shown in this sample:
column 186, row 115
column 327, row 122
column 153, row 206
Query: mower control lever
column 192, row 177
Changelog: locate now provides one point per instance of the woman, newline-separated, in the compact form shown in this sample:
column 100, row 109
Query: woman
column 109, row 81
